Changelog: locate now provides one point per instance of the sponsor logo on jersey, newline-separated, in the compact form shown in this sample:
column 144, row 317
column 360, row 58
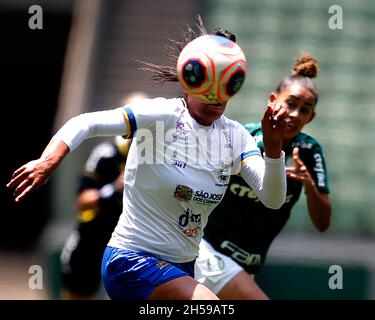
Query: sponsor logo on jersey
column 302, row 145
column 183, row 193
column 228, row 142
column 245, row 191
column 208, row 198
column 319, row 169
column 179, row 164
column 190, row 223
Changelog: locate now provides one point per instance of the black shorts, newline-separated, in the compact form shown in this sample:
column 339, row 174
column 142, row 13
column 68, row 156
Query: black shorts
column 81, row 265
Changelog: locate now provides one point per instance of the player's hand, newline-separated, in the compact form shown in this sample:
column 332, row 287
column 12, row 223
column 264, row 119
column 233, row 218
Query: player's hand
column 299, row 171
column 273, row 127
column 29, row 178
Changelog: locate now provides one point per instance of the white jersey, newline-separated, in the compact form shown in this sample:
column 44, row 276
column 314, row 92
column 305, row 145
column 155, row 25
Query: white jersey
column 177, row 171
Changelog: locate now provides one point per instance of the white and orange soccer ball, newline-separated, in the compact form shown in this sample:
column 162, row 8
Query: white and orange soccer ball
column 211, row 68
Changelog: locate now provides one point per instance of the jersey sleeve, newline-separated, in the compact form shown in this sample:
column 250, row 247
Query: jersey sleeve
column 246, row 147
column 144, row 114
column 314, row 160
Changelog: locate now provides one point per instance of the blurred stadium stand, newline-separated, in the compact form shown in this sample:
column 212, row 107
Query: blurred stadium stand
column 106, row 37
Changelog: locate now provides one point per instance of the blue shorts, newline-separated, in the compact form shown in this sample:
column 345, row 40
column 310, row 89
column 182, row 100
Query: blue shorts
column 129, row 275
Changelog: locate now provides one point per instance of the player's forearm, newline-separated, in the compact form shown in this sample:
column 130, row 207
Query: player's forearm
column 273, row 150
column 94, row 199
column 319, row 207
column 274, row 182
column 88, row 199
column 77, row 130
column 267, row 178
column 53, row 154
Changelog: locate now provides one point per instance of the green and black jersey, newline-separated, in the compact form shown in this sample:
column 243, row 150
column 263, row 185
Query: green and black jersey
column 241, row 226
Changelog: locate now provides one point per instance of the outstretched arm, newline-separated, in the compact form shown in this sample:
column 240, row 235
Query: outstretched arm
column 318, row 204
column 35, row 173
column 267, row 177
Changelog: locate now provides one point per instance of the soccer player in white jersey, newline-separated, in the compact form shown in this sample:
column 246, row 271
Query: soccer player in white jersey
column 176, row 173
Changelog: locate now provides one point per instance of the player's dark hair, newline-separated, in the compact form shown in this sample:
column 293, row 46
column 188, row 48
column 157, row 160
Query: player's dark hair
column 162, row 73
column 304, row 69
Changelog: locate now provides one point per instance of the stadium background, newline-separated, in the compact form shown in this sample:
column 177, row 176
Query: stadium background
column 83, row 60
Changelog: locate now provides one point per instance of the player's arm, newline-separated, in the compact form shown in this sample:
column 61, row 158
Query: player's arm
column 93, row 198
column 35, row 173
column 267, row 176
column 102, row 182
column 319, row 206
column 318, row 203
column 273, row 127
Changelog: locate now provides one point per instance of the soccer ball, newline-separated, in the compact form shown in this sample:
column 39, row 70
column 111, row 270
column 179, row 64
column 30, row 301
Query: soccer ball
column 211, row 69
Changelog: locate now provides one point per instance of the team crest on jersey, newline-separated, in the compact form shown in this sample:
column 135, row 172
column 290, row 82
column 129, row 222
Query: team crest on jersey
column 183, row 193
column 223, row 174
column 180, row 128
column 215, row 263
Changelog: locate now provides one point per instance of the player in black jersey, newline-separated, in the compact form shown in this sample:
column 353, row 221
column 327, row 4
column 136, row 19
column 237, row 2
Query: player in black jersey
column 241, row 229
column 99, row 205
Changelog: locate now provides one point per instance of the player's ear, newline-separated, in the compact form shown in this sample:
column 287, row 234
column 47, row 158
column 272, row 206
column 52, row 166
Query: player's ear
column 312, row 116
column 272, row 97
